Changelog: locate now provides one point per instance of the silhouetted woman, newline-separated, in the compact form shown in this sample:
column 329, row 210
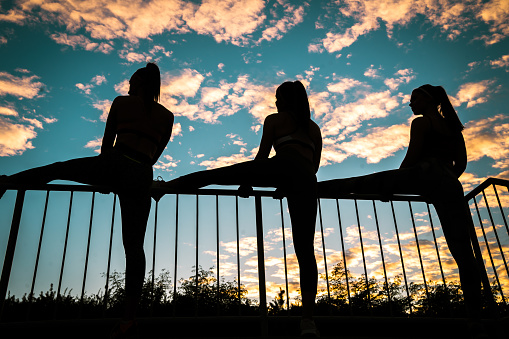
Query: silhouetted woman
column 435, row 159
column 298, row 144
column 136, row 133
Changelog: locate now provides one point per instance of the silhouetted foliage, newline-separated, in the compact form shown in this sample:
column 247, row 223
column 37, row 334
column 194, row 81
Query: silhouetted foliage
column 202, row 294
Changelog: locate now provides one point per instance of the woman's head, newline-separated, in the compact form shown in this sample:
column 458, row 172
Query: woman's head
column 291, row 96
column 428, row 97
column 146, row 82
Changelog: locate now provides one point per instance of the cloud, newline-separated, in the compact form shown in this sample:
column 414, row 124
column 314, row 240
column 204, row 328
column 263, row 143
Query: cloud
column 81, row 41
column 13, row 15
column 488, row 137
column 122, row 88
column 21, row 87
column 185, row 84
column 15, row 138
column 343, row 85
column 230, row 159
column 495, row 13
column 95, row 81
column 473, row 93
column 167, row 163
column 33, row 122
column 232, row 20
column 377, row 143
column 503, row 61
column 372, row 72
column 225, row 99
column 451, row 16
column 95, row 144
column 8, row 111
column 403, row 76
column 176, row 130
column 292, row 16
column 348, row 117
column 104, row 106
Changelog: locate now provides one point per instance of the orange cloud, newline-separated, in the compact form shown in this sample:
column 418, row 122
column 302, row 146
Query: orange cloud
column 22, row 87
column 473, row 93
column 488, row 137
column 15, row 138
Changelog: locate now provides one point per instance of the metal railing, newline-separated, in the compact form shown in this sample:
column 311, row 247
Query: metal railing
column 397, row 218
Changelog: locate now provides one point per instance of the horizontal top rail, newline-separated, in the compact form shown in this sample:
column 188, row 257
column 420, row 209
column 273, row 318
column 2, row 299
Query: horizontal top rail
column 485, row 184
column 209, row 191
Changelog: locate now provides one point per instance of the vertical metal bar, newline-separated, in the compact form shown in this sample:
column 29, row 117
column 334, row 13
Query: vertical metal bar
column 489, row 253
column 495, row 232
column 197, row 297
column 261, row 267
column 238, row 252
column 87, row 254
column 344, row 258
column 218, row 304
column 474, row 241
column 418, row 249
column 436, row 246
column 106, row 288
column 363, row 255
column 176, row 256
column 449, row 309
column 11, row 247
column 324, row 255
column 383, row 259
column 64, row 253
column 152, row 302
column 401, row 257
column 31, row 295
column 501, row 209
column 284, row 256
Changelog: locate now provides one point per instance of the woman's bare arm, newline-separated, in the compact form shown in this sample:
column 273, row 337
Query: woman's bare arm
column 414, row 152
column 164, row 140
column 110, row 131
column 267, row 138
column 460, row 158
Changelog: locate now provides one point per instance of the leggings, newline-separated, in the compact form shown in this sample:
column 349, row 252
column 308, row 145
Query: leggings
column 438, row 183
column 296, row 177
column 130, row 179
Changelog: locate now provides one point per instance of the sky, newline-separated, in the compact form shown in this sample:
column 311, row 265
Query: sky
column 63, row 63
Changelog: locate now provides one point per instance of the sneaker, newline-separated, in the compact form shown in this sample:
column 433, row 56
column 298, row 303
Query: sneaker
column 308, row 328
column 124, row 330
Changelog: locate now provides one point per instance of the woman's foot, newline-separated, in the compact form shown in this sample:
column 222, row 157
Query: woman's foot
column 125, row 329
column 308, row 328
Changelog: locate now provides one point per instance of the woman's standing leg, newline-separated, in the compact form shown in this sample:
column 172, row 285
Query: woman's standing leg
column 135, row 209
column 302, row 205
column 456, row 220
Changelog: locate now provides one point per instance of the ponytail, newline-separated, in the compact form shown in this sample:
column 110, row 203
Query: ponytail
column 153, row 82
column 444, row 106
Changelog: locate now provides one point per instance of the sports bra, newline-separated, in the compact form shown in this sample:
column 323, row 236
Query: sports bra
column 291, row 139
column 139, row 133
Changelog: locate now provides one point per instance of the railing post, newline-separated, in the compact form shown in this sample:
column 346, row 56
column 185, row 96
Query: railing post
column 261, row 266
column 11, row 247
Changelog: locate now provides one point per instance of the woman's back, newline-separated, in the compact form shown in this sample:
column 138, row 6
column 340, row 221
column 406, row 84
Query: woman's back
column 306, row 140
column 432, row 138
column 138, row 129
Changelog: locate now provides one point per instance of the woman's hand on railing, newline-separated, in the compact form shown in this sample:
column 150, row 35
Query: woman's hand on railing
column 245, row 191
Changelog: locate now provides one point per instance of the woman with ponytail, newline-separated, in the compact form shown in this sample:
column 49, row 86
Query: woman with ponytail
column 435, row 159
column 137, row 131
column 298, row 144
